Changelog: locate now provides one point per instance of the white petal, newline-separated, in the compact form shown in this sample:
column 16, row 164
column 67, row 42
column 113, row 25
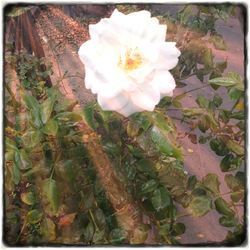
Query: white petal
column 168, row 55
column 142, row 74
column 146, row 97
column 115, row 103
column 164, row 81
column 129, row 109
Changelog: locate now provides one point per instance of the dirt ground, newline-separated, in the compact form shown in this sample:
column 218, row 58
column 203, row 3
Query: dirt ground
column 62, row 36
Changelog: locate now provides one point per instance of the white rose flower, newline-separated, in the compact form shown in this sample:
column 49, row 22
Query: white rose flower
column 127, row 62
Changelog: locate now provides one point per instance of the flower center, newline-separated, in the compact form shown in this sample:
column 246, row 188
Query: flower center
column 131, row 59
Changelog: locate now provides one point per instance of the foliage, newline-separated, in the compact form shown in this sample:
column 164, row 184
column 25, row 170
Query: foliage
column 53, row 193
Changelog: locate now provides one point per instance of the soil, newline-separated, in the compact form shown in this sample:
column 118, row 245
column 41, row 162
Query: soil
column 61, row 36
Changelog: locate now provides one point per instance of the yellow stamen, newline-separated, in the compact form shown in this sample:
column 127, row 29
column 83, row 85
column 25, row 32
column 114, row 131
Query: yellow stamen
column 132, row 60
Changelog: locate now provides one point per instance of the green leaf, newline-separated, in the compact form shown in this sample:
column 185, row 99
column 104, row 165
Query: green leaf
column 88, row 112
column 31, row 102
column 233, row 182
column 28, row 198
column 48, row 229
column 223, row 81
column 218, row 41
column 202, row 101
column 47, row 108
column 15, row 173
column 140, row 234
column 10, row 144
column 237, row 78
column 207, row 58
column 178, row 229
column 23, row 159
column 51, row 191
column 89, row 232
column 117, row 236
column 237, row 196
column 223, row 208
column 132, row 129
column 217, row 101
column 227, row 221
column 161, row 122
column 146, row 166
column 218, row 146
column 142, row 120
column 100, row 218
column 221, row 66
column 34, row 216
column 211, row 182
column 230, row 163
column 235, row 93
column 68, row 116
column 163, row 144
column 160, row 199
column 17, row 11
column 192, row 180
column 235, row 147
column 200, row 205
column 51, row 127
column 31, row 138
column 149, row 186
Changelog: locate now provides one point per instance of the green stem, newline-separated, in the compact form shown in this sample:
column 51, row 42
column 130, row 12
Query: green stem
column 21, row 231
column 191, row 90
column 93, row 219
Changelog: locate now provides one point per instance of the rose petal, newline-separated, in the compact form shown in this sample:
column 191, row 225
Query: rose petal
column 164, row 81
column 146, row 97
column 168, row 55
column 98, row 83
column 129, row 109
column 115, row 103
